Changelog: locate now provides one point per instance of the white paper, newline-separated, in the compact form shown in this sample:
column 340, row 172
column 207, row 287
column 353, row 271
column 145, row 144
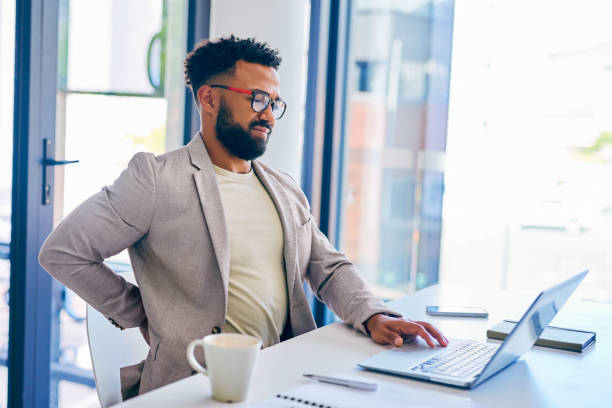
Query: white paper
column 388, row 395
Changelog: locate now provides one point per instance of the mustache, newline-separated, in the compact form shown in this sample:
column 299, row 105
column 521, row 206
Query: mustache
column 262, row 123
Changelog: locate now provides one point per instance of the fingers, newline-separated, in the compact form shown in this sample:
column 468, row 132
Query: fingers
column 422, row 329
column 414, row 328
column 382, row 334
column 394, row 331
column 431, row 329
column 386, row 336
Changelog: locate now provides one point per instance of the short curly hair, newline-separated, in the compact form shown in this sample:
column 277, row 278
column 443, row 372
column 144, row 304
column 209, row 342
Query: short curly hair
column 211, row 58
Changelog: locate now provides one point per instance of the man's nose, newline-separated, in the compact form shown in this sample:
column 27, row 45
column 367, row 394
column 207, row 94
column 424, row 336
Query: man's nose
column 268, row 116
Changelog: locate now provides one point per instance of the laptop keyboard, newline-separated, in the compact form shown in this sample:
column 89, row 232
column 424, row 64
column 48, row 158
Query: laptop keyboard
column 463, row 360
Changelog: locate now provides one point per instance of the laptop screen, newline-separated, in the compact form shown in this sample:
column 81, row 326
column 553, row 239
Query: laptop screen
column 532, row 324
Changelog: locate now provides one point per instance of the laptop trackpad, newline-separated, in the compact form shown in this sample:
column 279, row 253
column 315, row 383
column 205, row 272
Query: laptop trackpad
column 402, row 358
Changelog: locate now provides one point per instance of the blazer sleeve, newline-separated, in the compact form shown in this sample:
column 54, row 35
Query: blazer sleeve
column 338, row 283
column 102, row 226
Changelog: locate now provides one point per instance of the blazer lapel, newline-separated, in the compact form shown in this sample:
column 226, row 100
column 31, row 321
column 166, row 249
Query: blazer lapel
column 281, row 201
column 212, row 207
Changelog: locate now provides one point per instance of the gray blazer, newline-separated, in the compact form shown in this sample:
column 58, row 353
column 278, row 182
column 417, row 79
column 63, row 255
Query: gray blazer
column 167, row 211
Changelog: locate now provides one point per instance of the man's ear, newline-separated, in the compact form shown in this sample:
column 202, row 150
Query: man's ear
column 206, row 98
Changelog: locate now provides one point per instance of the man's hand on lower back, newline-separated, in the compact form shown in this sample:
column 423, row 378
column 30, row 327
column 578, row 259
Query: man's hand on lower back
column 393, row 330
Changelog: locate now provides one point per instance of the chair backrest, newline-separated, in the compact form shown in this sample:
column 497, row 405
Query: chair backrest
column 111, row 349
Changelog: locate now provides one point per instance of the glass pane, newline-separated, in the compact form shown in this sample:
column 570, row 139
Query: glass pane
column 400, row 54
column 112, row 45
column 528, row 192
column 103, row 131
column 70, row 392
column 7, row 78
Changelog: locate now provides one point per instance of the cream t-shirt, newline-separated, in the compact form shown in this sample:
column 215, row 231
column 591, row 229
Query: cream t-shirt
column 257, row 298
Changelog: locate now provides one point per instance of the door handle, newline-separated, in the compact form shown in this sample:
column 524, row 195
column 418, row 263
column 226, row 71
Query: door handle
column 48, row 162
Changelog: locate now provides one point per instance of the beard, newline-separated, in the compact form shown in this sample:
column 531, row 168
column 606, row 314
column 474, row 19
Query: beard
column 236, row 139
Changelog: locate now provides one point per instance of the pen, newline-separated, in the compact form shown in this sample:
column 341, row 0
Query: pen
column 360, row 385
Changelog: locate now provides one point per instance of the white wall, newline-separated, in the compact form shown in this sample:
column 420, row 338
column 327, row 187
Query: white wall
column 283, row 25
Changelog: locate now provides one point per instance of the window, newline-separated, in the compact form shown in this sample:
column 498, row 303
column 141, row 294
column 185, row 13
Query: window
column 394, row 142
column 529, row 161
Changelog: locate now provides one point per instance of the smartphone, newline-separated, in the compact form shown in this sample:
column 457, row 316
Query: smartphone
column 456, row 311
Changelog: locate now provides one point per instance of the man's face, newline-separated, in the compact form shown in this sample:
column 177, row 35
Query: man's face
column 243, row 132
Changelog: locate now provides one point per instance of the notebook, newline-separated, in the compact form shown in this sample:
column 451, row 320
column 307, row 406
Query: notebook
column 553, row 337
column 388, row 395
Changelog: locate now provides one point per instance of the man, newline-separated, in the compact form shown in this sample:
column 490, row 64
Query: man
column 217, row 240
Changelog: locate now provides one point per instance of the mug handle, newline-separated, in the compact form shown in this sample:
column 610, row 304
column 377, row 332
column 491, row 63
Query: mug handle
column 191, row 358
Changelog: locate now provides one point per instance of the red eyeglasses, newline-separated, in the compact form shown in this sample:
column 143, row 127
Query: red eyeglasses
column 260, row 100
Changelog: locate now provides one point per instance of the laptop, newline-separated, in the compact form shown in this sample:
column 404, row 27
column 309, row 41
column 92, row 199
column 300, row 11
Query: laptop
column 466, row 363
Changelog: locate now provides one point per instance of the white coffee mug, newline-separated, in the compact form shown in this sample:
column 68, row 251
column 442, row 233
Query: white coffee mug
column 230, row 362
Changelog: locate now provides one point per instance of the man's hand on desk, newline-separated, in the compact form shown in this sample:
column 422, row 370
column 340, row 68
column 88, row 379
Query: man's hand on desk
column 393, row 330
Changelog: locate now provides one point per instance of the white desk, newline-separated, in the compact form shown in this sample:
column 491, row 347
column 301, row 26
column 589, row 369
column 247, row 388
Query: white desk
column 542, row 378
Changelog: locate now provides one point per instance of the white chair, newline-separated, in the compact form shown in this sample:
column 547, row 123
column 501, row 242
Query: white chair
column 111, row 349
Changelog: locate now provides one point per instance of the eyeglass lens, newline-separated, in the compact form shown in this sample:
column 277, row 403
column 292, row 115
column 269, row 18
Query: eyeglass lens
column 261, row 102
